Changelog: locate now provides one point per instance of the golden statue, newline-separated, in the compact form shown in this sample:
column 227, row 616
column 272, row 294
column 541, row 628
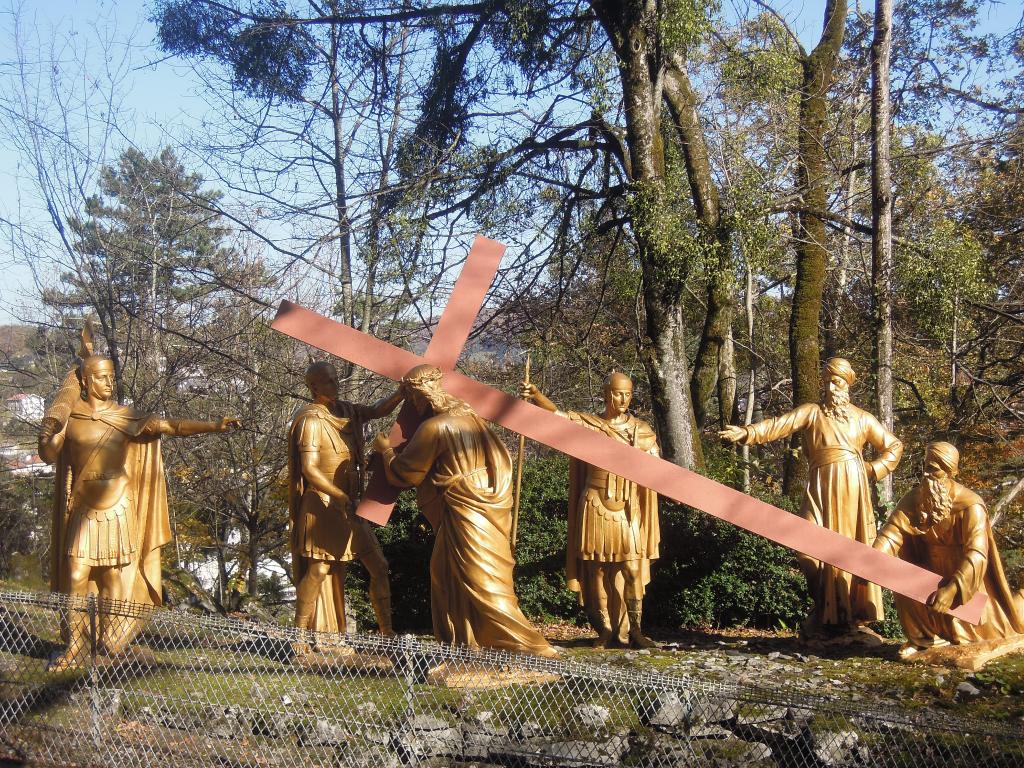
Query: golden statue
column 110, row 506
column 943, row 526
column 325, row 464
column 613, row 522
column 837, row 495
column 463, row 479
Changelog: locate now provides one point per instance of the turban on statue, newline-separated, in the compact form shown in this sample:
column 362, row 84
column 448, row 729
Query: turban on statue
column 946, row 455
column 840, row 366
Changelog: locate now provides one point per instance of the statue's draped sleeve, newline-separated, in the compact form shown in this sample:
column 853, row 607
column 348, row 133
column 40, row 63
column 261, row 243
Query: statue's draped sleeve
column 780, row 426
column 888, row 448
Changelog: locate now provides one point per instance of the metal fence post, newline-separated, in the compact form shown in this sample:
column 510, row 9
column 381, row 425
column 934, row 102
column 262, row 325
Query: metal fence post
column 94, row 683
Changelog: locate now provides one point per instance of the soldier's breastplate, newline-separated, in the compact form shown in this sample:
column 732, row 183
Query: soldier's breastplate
column 101, row 479
column 339, row 461
column 606, row 490
column 100, row 491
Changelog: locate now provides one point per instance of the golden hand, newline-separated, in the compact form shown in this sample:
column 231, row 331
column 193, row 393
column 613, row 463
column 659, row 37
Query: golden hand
column 527, row 391
column 381, row 444
column 941, row 600
column 733, row 434
column 229, row 423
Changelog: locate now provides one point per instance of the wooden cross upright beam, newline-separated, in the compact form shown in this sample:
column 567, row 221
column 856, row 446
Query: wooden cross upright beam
column 591, row 447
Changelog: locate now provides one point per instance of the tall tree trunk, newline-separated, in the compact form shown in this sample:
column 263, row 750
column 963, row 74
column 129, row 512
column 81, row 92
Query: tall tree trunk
column 715, row 350
column 340, row 193
column 881, row 220
column 834, row 297
column 634, row 30
column 811, row 245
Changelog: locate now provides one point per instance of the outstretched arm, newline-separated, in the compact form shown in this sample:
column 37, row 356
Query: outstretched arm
column 770, row 429
column 386, row 405
column 188, row 427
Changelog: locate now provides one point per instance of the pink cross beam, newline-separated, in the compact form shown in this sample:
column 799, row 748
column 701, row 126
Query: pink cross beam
column 444, row 349
column 653, row 472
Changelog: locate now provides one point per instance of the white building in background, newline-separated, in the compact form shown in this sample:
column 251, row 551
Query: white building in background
column 28, row 464
column 26, row 406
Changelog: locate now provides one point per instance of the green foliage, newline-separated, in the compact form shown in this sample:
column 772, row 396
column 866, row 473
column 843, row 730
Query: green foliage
column 269, row 57
column 407, row 541
column 760, row 63
column 943, row 272
column 712, row 574
column 540, row 545
column 25, row 520
column 666, row 233
column 686, row 23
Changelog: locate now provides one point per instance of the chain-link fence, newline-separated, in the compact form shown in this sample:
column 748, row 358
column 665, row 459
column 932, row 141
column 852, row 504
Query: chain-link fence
column 143, row 687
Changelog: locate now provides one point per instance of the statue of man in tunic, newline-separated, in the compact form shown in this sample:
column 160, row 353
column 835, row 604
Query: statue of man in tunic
column 110, row 505
column 837, row 495
column 613, row 522
column 463, row 479
column 942, row 526
column 325, row 479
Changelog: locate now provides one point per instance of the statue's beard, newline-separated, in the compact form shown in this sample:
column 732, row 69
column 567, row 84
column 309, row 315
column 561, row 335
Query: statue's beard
column 936, row 503
column 837, row 406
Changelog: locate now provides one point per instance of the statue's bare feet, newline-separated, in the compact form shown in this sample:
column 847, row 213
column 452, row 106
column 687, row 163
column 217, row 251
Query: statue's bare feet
column 549, row 653
column 604, row 638
column 908, row 650
column 638, row 639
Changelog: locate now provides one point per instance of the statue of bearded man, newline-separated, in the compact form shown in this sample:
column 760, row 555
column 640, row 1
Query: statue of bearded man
column 942, row 526
column 837, row 495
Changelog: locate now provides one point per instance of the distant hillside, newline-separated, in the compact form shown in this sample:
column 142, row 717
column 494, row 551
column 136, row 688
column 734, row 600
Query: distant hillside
column 14, row 341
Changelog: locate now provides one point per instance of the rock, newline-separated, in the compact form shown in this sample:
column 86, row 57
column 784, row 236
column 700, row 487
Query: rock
column 108, row 702
column 228, row 723
column 774, row 655
column 589, row 717
column 736, row 752
column 761, row 713
column 668, row 712
column 367, row 711
column 483, row 736
column 940, row 681
column 710, row 708
column 724, row 753
column 833, row 748
column 337, row 733
column 531, row 730
column 966, row 691
column 708, row 732
column 551, row 752
column 425, row 736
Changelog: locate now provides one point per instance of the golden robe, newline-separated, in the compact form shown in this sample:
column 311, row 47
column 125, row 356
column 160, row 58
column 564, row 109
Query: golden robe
column 318, row 529
column 146, row 518
column 837, row 497
column 463, row 479
column 611, row 519
column 960, row 549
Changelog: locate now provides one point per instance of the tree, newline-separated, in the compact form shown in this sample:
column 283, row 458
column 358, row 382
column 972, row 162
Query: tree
column 811, row 235
column 881, row 220
column 137, row 253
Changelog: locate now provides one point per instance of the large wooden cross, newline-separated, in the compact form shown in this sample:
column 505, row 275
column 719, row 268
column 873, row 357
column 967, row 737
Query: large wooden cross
column 588, row 446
